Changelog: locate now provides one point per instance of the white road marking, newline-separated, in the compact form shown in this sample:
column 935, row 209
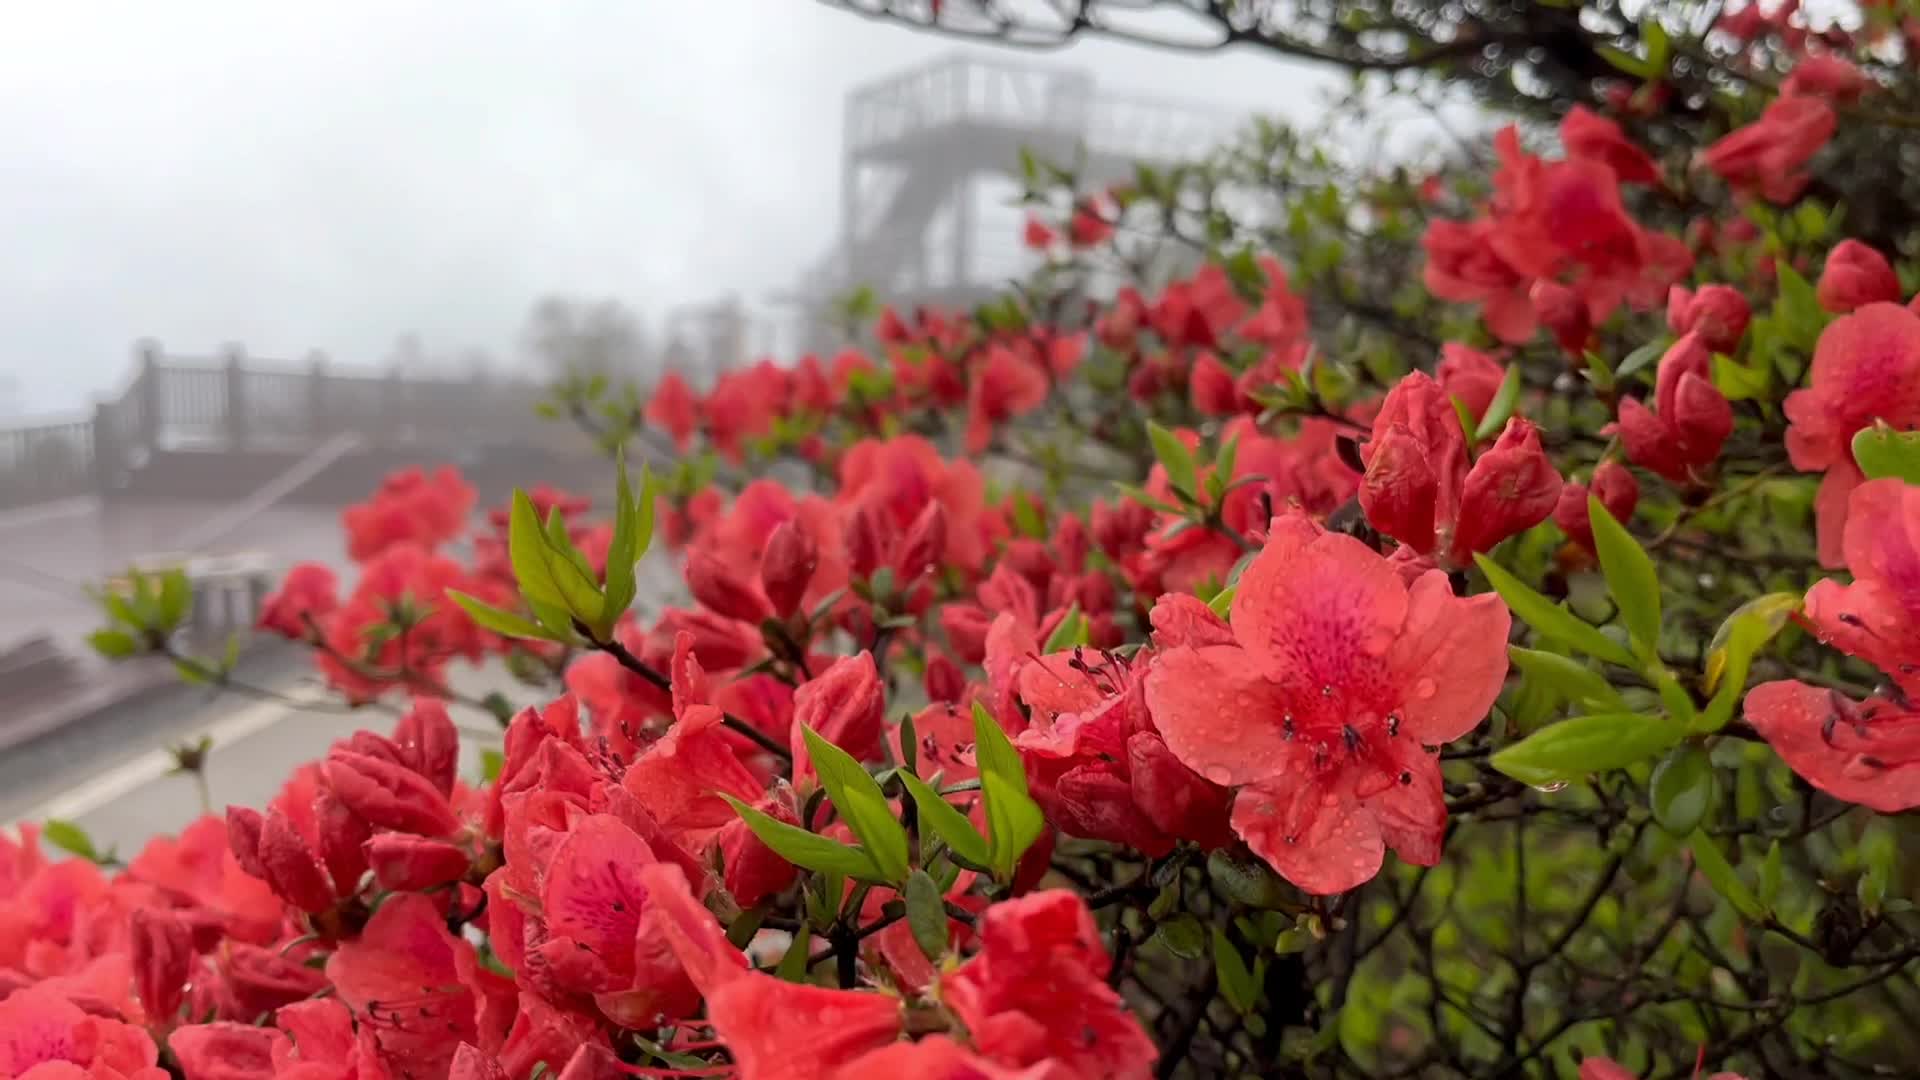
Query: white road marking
column 45, row 512
column 154, row 764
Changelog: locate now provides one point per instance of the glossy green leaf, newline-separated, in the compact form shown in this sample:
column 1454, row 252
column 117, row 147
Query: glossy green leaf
column 1730, row 655
column 807, row 850
column 1175, row 458
column 1568, row 679
column 993, row 751
column 1713, row 865
column 1014, row 822
column 1641, row 357
column 861, row 804
column 622, row 554
column 175, row 600
column 793, row 963
column 113, row 644
column 1549, row 618
column 1071, row 631
column 1222, row 602
column 69, row 838
column 1500, row 409
column 1771, row 871
column 1631, row 577
column 926, row 915
column 505, row 623
column 1236, row 981
column 909, row 746
column 526, row 551
column 1585, row 745
column 1183, row 936
column 947, row 822
column 1882, row 451
column 1682, row 789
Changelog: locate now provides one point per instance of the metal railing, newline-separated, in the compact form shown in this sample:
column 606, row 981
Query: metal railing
column 242, row 404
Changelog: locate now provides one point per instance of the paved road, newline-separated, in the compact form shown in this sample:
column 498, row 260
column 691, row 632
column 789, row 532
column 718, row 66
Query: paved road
column 113, row 775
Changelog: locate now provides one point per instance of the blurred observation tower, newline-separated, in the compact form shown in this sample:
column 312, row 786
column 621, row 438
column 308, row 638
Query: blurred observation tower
column 931, row 166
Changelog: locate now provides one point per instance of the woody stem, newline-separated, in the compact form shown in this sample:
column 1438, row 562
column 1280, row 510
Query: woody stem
column 653, row 675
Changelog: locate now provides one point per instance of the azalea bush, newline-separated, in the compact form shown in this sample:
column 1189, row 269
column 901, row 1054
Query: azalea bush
column 1455, row 622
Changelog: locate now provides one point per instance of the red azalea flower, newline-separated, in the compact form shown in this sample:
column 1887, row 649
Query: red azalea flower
column 1463, row 266
column 771, row 1027
column 1690, row 421
column 1769, row 156
column 1470, row 375
column 1321, row 713
column 1856, row 275
column 1420, row 489
column 40, row 1027
column 416, row 991
column 1003, row 385
column 1866, row 367
column 1037, row 992
column 1718, row 313
column 1591, row 137
column 1864, row 752
column 309, row 591
column 1618, row 491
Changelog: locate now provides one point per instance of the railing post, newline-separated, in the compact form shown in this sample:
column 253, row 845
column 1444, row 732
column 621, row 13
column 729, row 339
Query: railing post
column 236, row 398
column 107, row 457
column 147, row 390
column 318, row 423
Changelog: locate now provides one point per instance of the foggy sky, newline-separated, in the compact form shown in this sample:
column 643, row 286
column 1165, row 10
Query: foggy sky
column 331, row 176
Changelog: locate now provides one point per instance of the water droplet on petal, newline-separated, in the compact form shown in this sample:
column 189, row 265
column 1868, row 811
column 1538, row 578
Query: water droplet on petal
column 1425, row 689
column 1221, row 775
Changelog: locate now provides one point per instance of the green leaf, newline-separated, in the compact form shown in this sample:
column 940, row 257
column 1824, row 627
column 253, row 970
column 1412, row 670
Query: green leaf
column 804, row 849
column 947, row 822
column 491, row 762
column 1140, row 496
column 926, row 915
column 1247, row 881
column 621, row 551
column 793, row 965
column 861, row 804
column 909, row 746
column 505, row 623
column 1500, row 409
column 1236, row 982
column 1770, row 874
column 1744, row 633
column 69, row 838
column 1175, row 458
column 1222, row 602
column 1071, row 631
column 1682, row 789
column 1626, row 62
column 1658, row 45
column 526, row 550
column 1183, row 936
column 1549, row 618
column 1569, row 679
column 1014, row 822
column 1631, row 577
column 1584, row 745
column 1726, row 881
column 113, row 644
column 1881, row 452
column 176, row 599
column 1464, row 415
column 993, row 751
column 1641, row 357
